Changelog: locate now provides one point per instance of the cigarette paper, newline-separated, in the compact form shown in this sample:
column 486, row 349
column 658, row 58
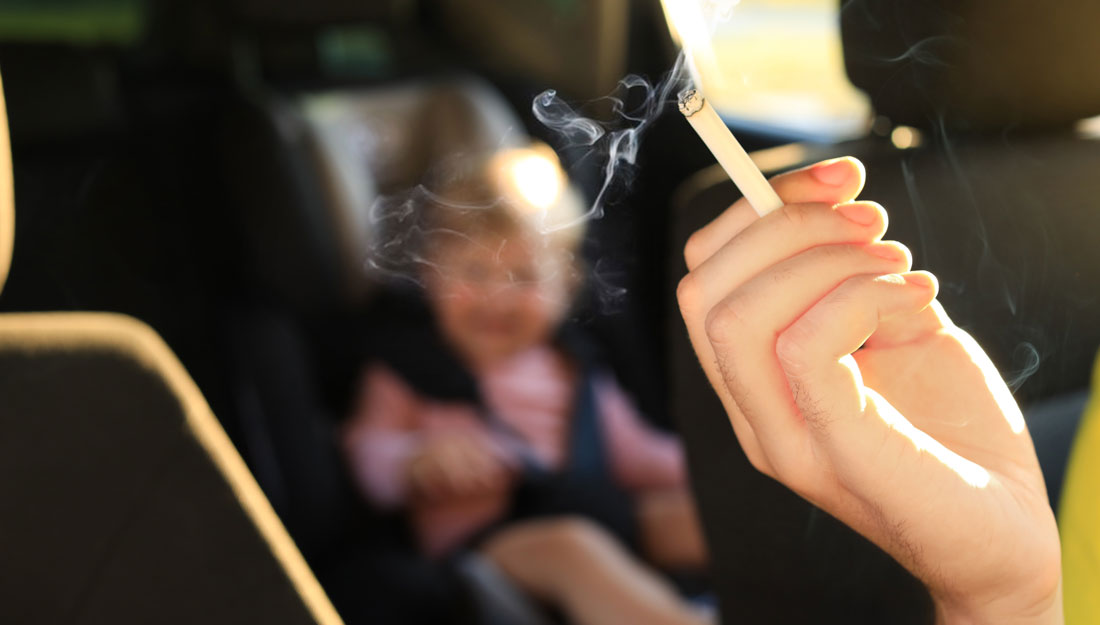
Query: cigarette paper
column 728, row 152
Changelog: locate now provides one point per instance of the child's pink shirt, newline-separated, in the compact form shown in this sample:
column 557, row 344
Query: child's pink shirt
column 533, row 395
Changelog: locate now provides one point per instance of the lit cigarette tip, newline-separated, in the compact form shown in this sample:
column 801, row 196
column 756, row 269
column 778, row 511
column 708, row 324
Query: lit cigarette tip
column 690, row 102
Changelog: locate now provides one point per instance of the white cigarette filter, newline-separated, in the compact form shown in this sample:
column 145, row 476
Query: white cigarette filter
column 728, row 152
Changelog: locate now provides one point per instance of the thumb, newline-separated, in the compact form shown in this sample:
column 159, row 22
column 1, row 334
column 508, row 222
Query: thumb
column 850, row 422
column 816, row 351
column 890, row 465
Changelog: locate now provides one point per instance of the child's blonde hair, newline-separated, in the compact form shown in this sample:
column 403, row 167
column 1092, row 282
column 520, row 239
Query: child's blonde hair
column 512, row 191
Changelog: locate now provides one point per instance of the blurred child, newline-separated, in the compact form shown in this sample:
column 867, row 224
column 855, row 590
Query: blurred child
column 552, row 469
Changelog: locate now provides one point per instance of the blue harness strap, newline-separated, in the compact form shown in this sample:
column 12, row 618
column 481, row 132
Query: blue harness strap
column 585, row 486
column 587, row 451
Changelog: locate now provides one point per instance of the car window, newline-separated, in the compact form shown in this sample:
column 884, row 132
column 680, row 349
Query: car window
column 112, row 22
column 779, row 68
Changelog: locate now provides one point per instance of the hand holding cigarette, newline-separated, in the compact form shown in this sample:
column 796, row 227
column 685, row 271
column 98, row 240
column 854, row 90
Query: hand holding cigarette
column 846, row 381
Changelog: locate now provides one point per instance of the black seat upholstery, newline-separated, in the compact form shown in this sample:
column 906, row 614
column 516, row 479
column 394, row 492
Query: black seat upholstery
column 124, row 501
column 1001, row 203
column 974, row 65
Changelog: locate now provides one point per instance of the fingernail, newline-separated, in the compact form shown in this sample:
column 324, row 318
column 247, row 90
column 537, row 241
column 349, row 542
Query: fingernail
column 921, row 279
column 833, row 173
column 889, row 252
column 861, row 213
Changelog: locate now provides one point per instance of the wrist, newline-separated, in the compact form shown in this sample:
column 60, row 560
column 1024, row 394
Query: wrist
column 1047, row 611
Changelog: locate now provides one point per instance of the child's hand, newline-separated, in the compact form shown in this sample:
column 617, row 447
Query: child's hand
column 914, row 440
column 458, row 464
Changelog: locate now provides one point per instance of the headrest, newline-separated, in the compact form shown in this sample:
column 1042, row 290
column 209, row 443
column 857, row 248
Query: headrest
column 385, row 141
column 7, row 195
column 975, row 64
column 307, row 169
column 397, row 134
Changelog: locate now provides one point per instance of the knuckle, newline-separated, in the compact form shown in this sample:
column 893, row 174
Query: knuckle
column 695, row 249
column 856, row 283
column 883, row 215
column 795, row 215
column 687, row 293
column 725, row 321
column 856, row 259
column 791, row 348
column 907, row 255
column 840, row 253
column 849, row 291
column 759, row 462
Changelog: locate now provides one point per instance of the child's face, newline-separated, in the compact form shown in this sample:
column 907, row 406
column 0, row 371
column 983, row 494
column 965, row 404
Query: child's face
column 494, row 296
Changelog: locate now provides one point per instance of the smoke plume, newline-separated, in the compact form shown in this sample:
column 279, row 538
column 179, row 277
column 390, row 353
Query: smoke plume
column 615, row 141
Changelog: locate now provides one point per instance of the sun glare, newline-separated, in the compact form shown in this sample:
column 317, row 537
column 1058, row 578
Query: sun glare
column 775, row 65
column 973, row 474
column 687, row 23
column 537, row 179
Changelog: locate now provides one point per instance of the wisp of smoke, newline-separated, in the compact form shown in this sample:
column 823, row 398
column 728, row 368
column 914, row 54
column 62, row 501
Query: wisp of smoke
column 613, row 143
column 615, row 140
column 397, row 221
column 932, row 51
column 1028, row 358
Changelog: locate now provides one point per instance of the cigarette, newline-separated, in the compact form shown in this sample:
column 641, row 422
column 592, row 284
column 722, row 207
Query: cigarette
column 728, row 152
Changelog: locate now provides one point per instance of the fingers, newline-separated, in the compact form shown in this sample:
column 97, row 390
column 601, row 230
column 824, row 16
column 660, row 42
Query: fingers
column 427, row 478
column 473, row 468
column 744, row 432
column 902, row 330
column 830, row 182
column 764, row 242
column 456, row 466
column 744, row 327
column 775, row 237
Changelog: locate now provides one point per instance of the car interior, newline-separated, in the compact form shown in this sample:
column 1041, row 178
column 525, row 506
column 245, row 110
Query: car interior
column 187, row 309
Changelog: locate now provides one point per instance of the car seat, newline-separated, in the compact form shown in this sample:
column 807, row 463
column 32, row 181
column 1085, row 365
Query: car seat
column 124, row 501
column 304, row 167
